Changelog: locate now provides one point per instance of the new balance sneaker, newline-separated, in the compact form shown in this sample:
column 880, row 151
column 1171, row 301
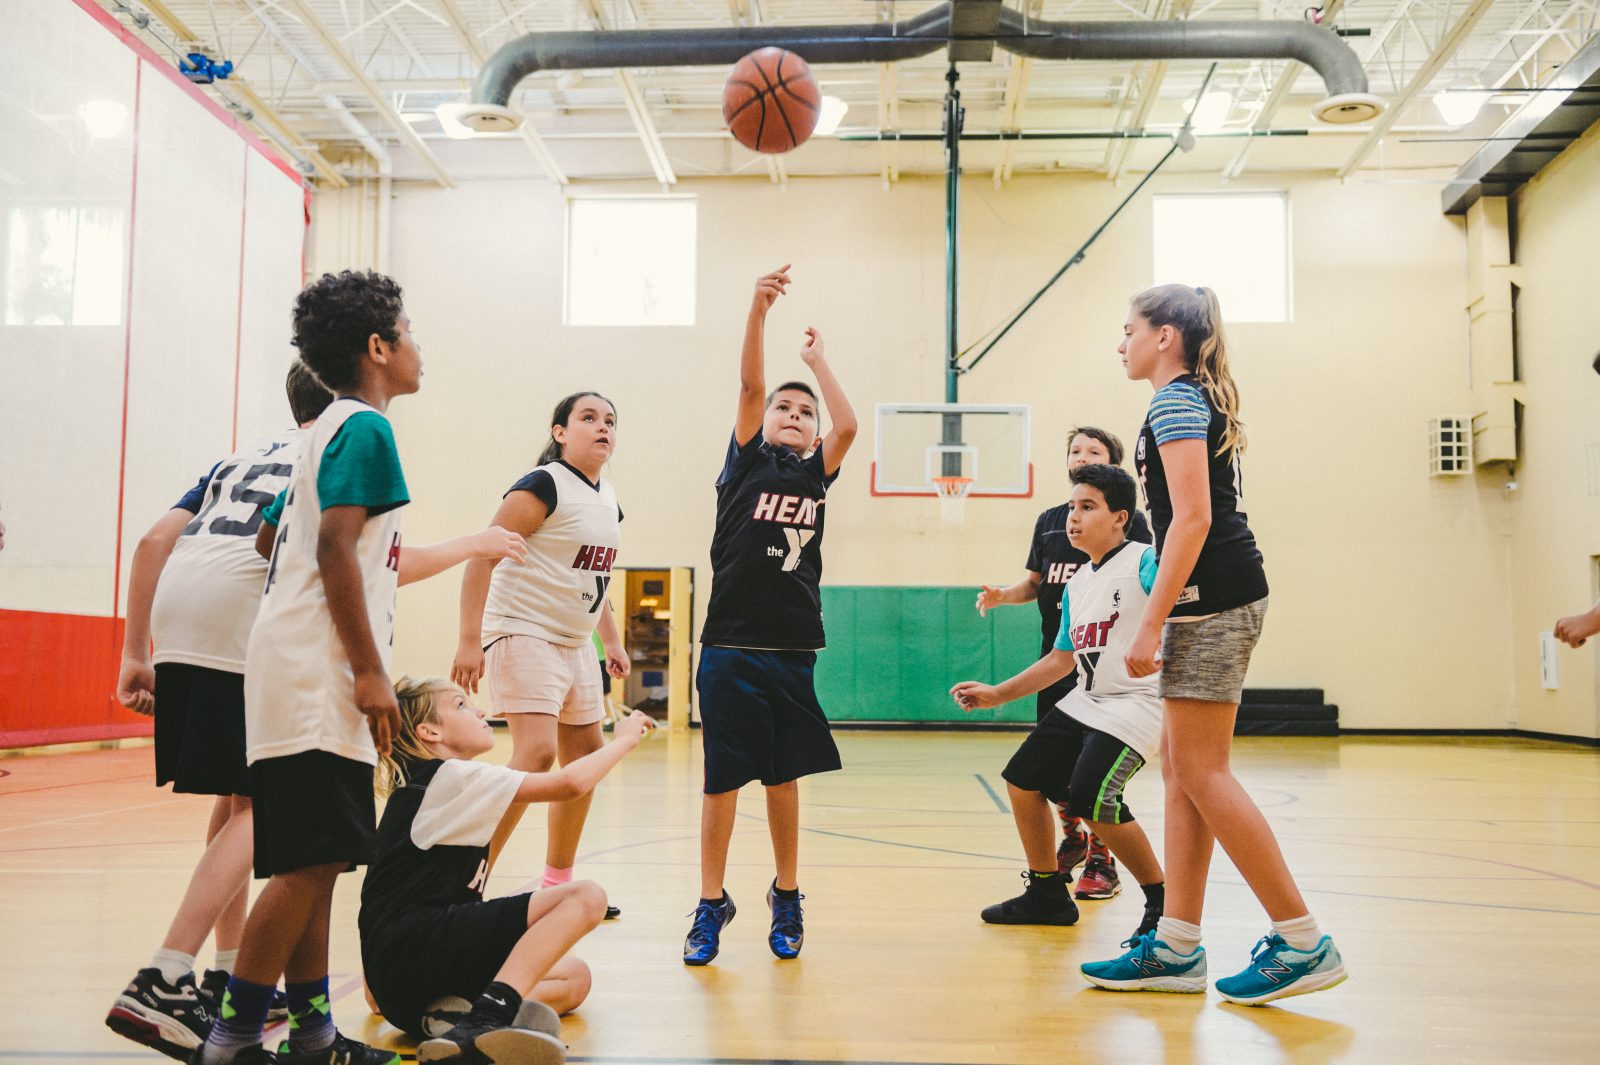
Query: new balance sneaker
column 1099, row 879
column 215, row 982
column 1074, row 846
column 171, row 1018
column 1044, row 900
column 445, row 1013
column 1149, row 965
column 478, row 1041
column 343, row 1051
column 788, row 924
column 705, row 933
column 1277, row 970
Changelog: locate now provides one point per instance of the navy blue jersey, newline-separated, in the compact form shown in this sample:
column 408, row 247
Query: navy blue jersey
column 1229, row 571
column 1054, row 559
column 766, row 552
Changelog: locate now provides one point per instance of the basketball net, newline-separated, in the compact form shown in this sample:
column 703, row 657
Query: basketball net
column 952, row 492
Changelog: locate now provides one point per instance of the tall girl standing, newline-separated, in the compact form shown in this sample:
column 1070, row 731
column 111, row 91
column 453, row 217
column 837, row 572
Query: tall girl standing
column 528, row 625
column 1203, row 621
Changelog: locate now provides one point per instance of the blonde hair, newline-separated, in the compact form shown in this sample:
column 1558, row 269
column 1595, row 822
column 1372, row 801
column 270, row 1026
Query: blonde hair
column 1197, row 316
column 416, row 698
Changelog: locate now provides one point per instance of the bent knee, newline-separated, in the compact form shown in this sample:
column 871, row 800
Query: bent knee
column 592, row 897
column 566, row 986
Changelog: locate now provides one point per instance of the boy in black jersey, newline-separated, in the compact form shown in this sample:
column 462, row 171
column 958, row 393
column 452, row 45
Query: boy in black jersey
column 427, row 933
column 763, row 628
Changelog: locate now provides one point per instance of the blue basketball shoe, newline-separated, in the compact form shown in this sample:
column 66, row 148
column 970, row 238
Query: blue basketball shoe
column 1149, row 965
column 705, row 934
column 788, row 924
column 1277, row 970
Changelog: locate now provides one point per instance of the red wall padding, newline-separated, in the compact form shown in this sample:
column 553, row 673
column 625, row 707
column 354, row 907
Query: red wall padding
column 58, row 680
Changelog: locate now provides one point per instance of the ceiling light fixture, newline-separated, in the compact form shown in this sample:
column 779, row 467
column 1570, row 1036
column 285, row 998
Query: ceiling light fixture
column 1461, row 102
column 104, row 119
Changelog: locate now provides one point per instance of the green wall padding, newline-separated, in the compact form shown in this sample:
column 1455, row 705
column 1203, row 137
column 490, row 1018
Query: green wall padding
column 894, row 652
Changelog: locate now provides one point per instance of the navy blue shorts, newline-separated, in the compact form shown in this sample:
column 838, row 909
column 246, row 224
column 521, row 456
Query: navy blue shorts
column 760, row 718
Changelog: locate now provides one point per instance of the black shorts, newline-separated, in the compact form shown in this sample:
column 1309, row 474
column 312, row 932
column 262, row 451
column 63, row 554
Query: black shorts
column 200, row 730
column 312, row 808
column 1080, row 768
column 415, row 957
column 760, row 718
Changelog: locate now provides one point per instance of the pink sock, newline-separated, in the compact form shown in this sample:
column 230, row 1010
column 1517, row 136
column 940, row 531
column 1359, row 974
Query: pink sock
column 554, row 877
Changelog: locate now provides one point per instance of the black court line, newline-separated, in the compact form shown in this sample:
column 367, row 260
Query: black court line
column 1002, row 806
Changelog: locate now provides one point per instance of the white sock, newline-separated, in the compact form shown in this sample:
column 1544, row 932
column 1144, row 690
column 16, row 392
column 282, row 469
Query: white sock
column 1181, row 936
column 173, row 964
column 226, row 959
column 1301, row 933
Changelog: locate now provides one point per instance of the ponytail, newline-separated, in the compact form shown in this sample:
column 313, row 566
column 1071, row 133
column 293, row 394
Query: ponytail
column 408, row 749
column 552, row 449
column 1197, row 316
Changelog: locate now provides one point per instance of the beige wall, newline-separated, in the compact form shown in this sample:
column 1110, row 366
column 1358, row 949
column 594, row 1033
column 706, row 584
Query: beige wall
column 1556, row 509
column 1390, row 589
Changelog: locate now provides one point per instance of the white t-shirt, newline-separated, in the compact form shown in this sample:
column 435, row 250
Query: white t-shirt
column 1100, row 614
column 210, row 589
column 299, row 687
column 557, row 593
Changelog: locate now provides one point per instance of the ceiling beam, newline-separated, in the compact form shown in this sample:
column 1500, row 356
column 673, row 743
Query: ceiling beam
column 530, row 136
column 1149, row 91
column 638, row 110
column 1452, row 40
column 1275, row 99
column 888, row 122
column 1016, row 92
column 354, row 69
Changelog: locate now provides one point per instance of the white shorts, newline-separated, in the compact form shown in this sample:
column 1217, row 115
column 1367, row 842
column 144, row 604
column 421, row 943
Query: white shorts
column 532, row 676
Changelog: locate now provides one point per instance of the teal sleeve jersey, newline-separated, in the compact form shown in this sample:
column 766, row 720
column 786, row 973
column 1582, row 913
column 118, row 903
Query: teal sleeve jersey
column 1147, row 570
column 273, row 514
column 1064, row 637
column 361, row 467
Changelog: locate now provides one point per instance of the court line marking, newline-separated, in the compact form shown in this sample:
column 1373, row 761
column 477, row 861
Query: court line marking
column 92, row 813
column 1003, row 807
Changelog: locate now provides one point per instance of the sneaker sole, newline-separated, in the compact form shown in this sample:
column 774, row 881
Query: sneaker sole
column 1304, row 986
column 1089, row 896
column 701, row 961
column 447, row 1012
column 503, row 1046
column 1063, row 921
column 154, row 1030
column 1176, row 985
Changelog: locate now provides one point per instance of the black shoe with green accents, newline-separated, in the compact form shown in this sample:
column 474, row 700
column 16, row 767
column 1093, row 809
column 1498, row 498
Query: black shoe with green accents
column 342, row 1051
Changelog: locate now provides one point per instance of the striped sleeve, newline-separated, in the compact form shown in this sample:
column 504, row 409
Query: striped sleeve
column 1179, row 411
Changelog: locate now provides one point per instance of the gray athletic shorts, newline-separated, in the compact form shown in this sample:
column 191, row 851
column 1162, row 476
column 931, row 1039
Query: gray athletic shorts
column 1207, row 659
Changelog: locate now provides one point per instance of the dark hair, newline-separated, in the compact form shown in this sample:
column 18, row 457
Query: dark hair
column 334, row 317
column 560, row 416
column 1114, row 484
column 1107, row 440
column 792, row 386
column 307, row 397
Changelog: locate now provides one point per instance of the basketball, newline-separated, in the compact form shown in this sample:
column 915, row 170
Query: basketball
column 771, row 101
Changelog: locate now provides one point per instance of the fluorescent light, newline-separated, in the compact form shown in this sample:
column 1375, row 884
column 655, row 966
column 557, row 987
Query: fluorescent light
column 1211, row 112
column 104, row 119
column 414, row 117
column 1460, row 104
column 831, row 114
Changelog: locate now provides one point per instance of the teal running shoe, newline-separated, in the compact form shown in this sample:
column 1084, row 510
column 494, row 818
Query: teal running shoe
column 1150, row 965
column 1277, row 970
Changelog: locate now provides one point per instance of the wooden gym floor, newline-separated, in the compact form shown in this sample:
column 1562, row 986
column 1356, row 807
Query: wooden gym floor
column 1461, row 878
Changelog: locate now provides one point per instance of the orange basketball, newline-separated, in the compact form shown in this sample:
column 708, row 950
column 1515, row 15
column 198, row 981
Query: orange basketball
column 771, row 101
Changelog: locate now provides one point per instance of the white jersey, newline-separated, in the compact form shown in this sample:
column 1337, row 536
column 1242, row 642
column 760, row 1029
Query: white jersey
column 210, row 588
column 299, row 687
column 1101, row 612
column 557, row 593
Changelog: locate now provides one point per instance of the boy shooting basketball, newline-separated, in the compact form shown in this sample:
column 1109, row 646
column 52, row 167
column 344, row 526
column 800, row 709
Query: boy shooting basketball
column 758, row 704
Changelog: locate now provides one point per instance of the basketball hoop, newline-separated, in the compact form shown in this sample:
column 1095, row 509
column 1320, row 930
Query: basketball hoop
column 952, row 492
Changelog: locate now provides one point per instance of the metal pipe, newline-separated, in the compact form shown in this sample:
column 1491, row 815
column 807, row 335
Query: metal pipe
column 953, row 118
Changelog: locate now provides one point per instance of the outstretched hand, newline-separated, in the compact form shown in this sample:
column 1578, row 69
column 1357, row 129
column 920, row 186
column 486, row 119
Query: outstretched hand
column 990, row 598
column 972, row 695
column 769, row 287
column 811, row 350
column 495, row 543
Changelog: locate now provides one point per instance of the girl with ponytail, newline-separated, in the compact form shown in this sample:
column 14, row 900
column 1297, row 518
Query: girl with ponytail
column 1203, row 620
column 526, row 626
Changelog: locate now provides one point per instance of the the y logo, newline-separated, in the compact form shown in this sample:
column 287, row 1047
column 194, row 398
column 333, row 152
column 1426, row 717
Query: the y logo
column 798, row 539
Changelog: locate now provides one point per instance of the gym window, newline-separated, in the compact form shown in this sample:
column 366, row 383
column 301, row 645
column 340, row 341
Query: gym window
column 630, row 260
column 1235, row 243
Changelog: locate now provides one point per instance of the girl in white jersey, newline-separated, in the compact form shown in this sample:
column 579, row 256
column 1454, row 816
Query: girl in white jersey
column 527, row 625
column 1205, row 615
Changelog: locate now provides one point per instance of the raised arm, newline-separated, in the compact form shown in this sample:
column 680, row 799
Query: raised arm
column 520, row 513
column 136, row 680
column 841, row 416
column 491, row 545
column 752, row 357
column 579, row 777
column 1024, row 591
